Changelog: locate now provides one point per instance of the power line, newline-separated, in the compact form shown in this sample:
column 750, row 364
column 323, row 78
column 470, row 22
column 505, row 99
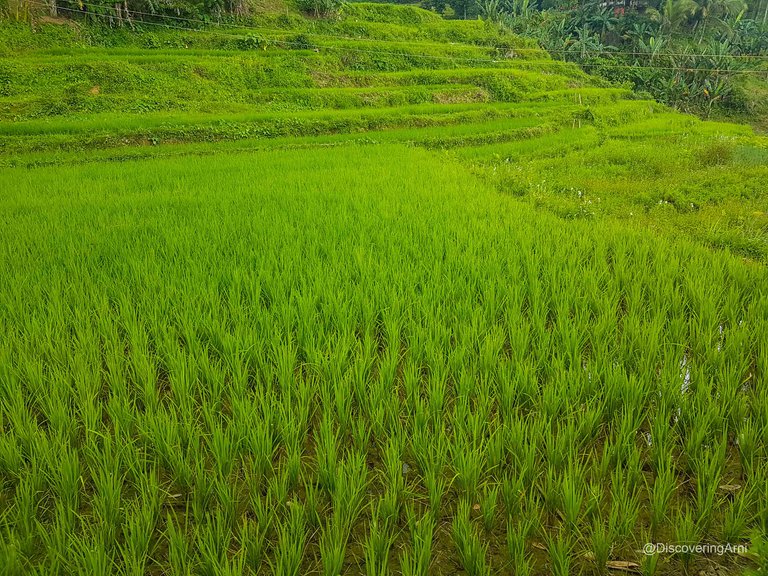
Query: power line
column 358, row 39
column 296, row 44
column 293, row 43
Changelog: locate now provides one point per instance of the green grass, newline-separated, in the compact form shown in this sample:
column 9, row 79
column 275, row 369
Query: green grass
column 334, row 312
column 195, row 322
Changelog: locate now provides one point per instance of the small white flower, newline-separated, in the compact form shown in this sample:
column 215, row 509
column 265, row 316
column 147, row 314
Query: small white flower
column 648, row 438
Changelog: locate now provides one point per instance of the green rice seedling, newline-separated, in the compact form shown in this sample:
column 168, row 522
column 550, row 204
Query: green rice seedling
column 553, row 405
column 516, row 548
column 224, row 447
column 430, row 448
column 89, row 556
column 601, row 544
column 361, row 434
column 661, row 494
column 347, row 501
column 425, row 443
column 177, row 441
column 278, row 489
column 260, row 445
column 468, row 463
column 708, row 475
column 659, row 439
column 512, row 494
column 606, row 461
column 254, row 533
column 227, row 498
column 56, row 536
column 696, row 437
column 333, row 544
column 472, row 552
column 11, row 553
column 391, row 502
column 139, row 528
column 377, row 545
column 558, row 450
column 625, row 506
column 589, row 422
column 235, row 565
column 412, row 384
column 213, row 541
column 437, row 390
column 64, row 474
column 326, row 451
column 551, row 491
column 634, row 468
column 417, row 562
column 572, row 498
column 687, row 532
column 747, row 440
column 291, row 541
column 27, row 500
column 593, row 499
column 468, row 453
column 342, row 394
column 252, row 537
column 394, row 480
column 178, row 542
column 437, row 485
column 757, row 550
column 11, row 461
column 293, row 461
column 107, row 501
column 559, row 548
column 737, row 517
column 202, row 492
column 496, row 455
column 488, row 507
column 351, row 483
column 312, row 503
column 649, row 565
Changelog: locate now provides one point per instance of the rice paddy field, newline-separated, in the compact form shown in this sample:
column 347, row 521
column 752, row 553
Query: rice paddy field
column 380, row 295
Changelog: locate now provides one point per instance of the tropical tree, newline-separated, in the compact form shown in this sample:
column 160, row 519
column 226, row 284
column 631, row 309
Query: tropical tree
column 675, row 13
column 720, row 14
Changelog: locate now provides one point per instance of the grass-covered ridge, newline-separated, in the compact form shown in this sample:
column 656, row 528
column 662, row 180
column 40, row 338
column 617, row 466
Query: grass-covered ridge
column 494, row 99
column 383, row 294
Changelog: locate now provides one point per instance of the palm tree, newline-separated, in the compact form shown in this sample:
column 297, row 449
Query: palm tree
column 675, row 13
column 720, row 13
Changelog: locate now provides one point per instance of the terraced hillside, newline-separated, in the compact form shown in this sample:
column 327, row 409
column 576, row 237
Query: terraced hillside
column 539, row 129
column 383, row 294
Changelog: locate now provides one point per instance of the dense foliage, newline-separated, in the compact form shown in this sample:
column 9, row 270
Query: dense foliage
column 691, row 55
column 128, row 12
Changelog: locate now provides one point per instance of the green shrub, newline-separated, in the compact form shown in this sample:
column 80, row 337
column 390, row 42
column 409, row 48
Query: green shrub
column 715, row 154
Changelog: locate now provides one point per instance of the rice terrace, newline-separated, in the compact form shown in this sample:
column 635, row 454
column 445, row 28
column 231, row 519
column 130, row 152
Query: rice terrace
column 476, row 287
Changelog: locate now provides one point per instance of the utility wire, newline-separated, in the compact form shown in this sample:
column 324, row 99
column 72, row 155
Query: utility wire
column 359, row 39
column 287, row 42
column 300, row 45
